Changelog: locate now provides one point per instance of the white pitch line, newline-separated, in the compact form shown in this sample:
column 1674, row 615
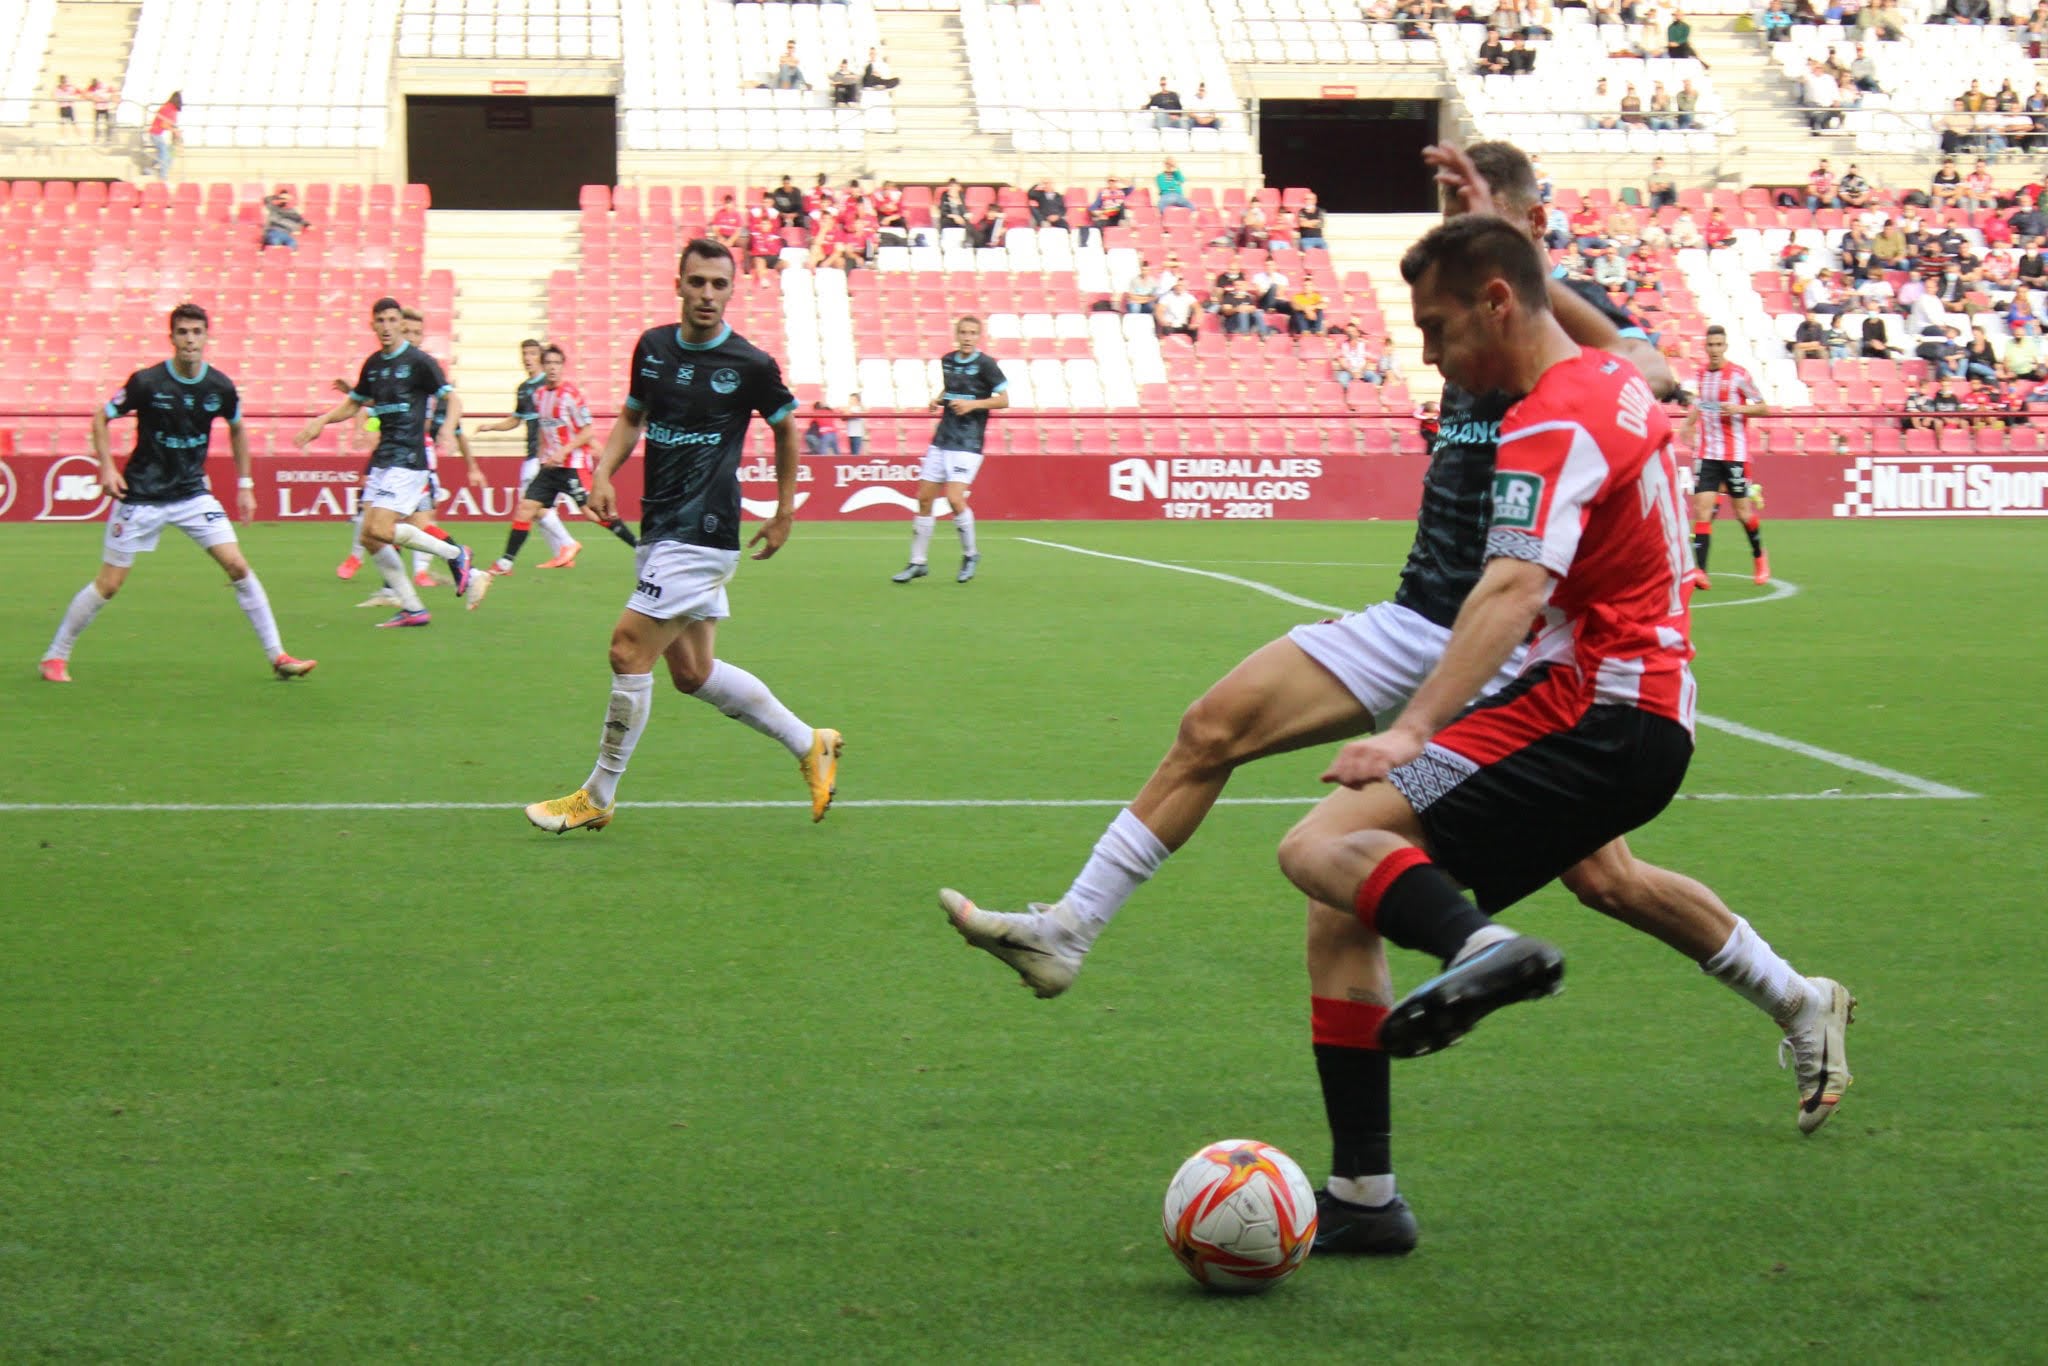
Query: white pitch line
column 210, row 808
column 1925, row 787
column 1780, row 588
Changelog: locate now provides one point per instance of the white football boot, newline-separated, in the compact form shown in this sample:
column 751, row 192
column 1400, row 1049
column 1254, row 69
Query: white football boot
column 1819, row 1055
column 1041, row 943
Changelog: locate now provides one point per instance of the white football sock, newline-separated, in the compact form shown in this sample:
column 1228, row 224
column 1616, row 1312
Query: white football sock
column 1127, row 854
column 420, row 561
column 256, row 606
column 550, row 524
column 963, row 522
column 746, row 698
column 396, row 579
column 406, row 534
column 625, row 716
column 355, row 538
column 1362, row 1190
column 1753, row 970
column 921, row 538
column 85, row 605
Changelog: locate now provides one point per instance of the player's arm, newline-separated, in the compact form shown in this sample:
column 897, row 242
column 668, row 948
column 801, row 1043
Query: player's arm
column 1494, row 620
column 618, row 448
column 245, row 473
column 340, row 412
column 775, row 531
column 103, row 449
column 1756, row 407
column 509, row 422
column 1588, row 326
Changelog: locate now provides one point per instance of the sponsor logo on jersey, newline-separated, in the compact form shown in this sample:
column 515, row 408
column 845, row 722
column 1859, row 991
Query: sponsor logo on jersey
column 686, row 374
column 1516, row 497
column 725, row 381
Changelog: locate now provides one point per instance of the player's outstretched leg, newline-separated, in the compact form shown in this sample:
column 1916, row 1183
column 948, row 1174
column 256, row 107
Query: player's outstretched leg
column 85, row 604
column 1363, row 849
column 255, row 605
column 1277, row 699
column 1358, row 1210
column 1747, row 512
column 746, row 699
column 590, row 806
column 471, row 583
column 963, row 522
column 411, row 611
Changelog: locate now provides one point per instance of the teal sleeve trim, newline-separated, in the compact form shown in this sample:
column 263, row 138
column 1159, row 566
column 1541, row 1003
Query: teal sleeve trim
column 782, row 413
column 635, row 404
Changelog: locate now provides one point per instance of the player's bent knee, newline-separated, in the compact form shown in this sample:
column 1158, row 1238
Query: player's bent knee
column 1598, row 886
column 688, row 678
column 1209, row 734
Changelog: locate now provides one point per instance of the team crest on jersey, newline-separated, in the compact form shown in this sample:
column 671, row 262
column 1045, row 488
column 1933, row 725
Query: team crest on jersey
column 400, row 371
column 725, row 381
column 1516, row 497
column 212, row 404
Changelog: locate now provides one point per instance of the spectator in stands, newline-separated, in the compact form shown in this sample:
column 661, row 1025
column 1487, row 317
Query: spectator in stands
column 2024, row 358
column 1719, row 232
column 1958, row 128
column 876, row 76
column 1610, row 271
column 836, row 247
column 1820, row 188
column 1280, row 232
column 1999, row 269
column 1521, row 57
column 821, row 436
column 67, row 96
column 728, row 227
column 1048, row 206
column 789, row 204
column 1918, row 402
column 1199, row 114
column 1175, row 313
column 952, row 210
column 985, row 229
column 1353, row 362
column 1975, row 100
column 1687, row 102
column 1308, row 222
column 1269, row 286
column 820, row 203
column 1809, row 342
column 1883, row 19
column 764, row 240
column 2036, row 106
column 1678, row 38
column 1585, row 224
column 856, row 424
column 282, row 221
column 1925, row 314
column 1685, row 232
column 1251, row 225
column 1545, row 188
column 1980, row 359
column 1945, row 187
column 1945, row 400
column 1888, row 247
column 1493, row 55
column 1603, row 112
column 1106, row 210
column 1632, row 108
column 1622, row 231
column 1806, row 12
column 1775, row 22
column 845, row 84
column 2027, row 221
column 1966, row 12
column 1172, row 186
column 1308, row 308
column 1821, row 98
column 891, row 223
column 1165, row 107
column 164, row 134
column 103, row 97
column 1875, row 345
column 1240, row 310
column 1662, row 116
column 1978, row 190
column 789, row 72
column 1139, row 291
column 1854, row 191
column 2021, row 310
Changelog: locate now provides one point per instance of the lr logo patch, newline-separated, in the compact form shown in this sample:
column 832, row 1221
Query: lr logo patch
column 1515, row 499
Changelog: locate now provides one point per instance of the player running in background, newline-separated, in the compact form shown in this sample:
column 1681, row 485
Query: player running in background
column 973, row 388
column 1726, row 398
column 399, row 384
column 164, row 484
column 567, row 435
column 525, row 414
column 1334, row 680
column 694, row 388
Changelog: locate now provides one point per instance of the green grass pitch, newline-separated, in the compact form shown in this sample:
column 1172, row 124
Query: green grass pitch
column 717, row 1084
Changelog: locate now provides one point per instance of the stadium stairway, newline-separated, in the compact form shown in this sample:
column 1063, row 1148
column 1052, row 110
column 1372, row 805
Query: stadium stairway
column 88, row 39
column 501, row 262
column 1772, row 144
column 935, row 136
column 1374, row 243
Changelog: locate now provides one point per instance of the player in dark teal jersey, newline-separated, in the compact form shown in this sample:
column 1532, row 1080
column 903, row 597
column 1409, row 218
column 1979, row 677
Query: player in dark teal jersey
column 971, row 387
column 695, row 388
column 400, row 384
column 526, row 413
column 175, row 405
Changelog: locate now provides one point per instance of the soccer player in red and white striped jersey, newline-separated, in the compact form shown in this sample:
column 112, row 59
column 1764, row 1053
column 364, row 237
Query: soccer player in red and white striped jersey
column 1594, row 735
column 567, row 435
column 1726, row 398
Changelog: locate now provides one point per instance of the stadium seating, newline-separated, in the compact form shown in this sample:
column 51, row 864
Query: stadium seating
column 1311, row 31
column 511, row 29
column 27, row 26
column 695, row 72
column 877, row 332
column 314, row 73
column 91, row 271
column 1049, row 93
column 1919, row 75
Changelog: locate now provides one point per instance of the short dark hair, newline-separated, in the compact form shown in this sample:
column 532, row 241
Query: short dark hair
column 552, row 350
column 1507, row 171
column 1716, row 330
column 533, row 342
column 386, row 304
column 413, row 315
column 704, row 249
column 1471, row 250
column 189, row 312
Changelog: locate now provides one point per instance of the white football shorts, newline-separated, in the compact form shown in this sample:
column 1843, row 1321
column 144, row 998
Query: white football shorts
column 1381, row 655
column 133, row 528
column 678, row 580
column 942, row 466
column 398, row 490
